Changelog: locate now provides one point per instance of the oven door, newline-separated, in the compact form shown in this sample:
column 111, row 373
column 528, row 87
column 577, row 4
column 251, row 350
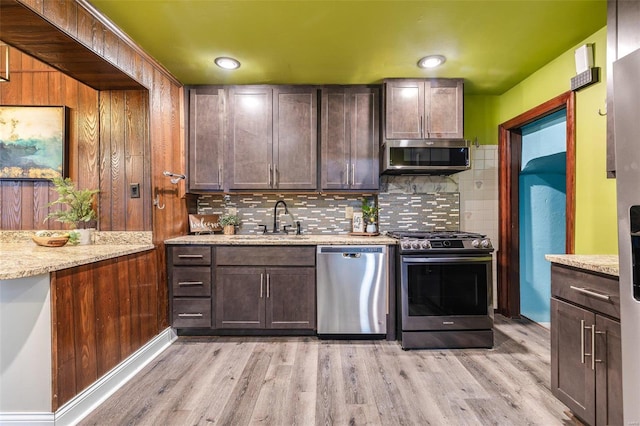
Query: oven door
column 446, row 293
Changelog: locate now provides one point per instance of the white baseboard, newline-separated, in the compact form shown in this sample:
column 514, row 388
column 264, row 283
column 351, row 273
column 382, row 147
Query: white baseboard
column 87, row 401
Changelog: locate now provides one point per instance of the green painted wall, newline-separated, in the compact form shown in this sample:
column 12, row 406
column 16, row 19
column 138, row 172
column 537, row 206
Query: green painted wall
column 596, row 223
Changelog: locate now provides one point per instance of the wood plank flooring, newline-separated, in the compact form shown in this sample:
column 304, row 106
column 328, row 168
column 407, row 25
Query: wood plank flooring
column 306, row 381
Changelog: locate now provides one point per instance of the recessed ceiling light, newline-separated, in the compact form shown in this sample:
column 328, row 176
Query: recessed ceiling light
column 431, row 61
column 227, row 63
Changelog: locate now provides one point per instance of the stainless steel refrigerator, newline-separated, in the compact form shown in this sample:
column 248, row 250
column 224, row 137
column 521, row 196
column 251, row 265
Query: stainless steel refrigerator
column 626, row 83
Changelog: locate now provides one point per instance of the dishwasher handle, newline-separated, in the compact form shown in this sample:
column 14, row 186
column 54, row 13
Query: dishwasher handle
column 351, row 255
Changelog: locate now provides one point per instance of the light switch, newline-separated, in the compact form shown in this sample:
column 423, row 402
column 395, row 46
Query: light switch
column 134, row 190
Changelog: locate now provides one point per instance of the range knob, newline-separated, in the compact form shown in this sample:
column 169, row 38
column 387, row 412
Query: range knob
column 475, row 243
column 425, row 244
column 415, row 245
column 405, row 244
column 486, row 244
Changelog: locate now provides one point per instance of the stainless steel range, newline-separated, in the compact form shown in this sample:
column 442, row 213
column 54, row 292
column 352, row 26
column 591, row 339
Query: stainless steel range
column 445, row 290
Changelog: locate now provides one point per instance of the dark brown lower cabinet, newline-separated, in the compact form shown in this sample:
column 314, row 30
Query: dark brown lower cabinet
column 586, row 354
column 190, row 280
column 256, row 298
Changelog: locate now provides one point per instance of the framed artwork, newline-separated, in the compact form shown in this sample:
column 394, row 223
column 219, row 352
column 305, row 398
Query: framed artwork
column 358, row 222
column 33, row 142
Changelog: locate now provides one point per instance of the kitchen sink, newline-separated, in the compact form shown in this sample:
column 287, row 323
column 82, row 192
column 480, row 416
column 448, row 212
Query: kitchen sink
column 269, row 237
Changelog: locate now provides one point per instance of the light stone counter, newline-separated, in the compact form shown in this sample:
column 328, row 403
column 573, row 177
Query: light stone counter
column 20, row 257
column 603, row 263
column 270, row 239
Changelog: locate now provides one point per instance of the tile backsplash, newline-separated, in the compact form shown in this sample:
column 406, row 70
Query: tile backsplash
column 465, row 201
column 318, row 213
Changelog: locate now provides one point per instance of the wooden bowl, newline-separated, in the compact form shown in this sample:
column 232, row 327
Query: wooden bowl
column 57, row 241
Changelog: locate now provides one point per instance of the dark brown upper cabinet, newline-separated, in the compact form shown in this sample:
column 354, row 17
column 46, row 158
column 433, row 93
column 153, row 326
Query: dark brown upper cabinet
column 272, row 138
column 424, row 108
column 206, row 138
column 623, row 37
column 350, row 138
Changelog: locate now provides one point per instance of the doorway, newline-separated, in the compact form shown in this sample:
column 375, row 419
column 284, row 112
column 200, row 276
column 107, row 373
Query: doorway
column 510, row 164
column 542, row 203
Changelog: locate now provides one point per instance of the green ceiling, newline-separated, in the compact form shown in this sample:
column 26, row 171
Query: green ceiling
column 493, row 45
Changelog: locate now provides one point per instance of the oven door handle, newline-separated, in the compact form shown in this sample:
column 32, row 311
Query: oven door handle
column 461, row 259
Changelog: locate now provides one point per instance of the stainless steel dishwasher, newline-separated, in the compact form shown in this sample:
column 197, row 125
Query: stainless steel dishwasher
column 352, row 283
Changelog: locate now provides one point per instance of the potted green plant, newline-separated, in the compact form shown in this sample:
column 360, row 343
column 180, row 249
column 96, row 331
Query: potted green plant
column 78, row 208
column 228, row 222
column 369, row 214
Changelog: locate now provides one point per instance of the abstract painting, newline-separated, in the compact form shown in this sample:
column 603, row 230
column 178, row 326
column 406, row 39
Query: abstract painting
column 33, row 142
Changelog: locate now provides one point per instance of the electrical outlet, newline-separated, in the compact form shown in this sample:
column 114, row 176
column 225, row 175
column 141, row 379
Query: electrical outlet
column 233, row 210
column 348, row 212
column 134, row 190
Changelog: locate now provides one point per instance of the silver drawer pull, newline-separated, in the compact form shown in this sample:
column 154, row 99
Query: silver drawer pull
column 190, row 315
column 591, row 293
column 189, row 283
column 190, row 256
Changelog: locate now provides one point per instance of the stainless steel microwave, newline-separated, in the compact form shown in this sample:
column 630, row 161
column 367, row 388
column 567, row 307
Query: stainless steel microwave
column 437, row 157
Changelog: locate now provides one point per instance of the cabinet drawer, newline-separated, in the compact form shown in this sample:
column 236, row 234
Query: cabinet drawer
column 600, row 293
column 191, row 255
column 189, row 313
column 191, row 281
column 267, row 256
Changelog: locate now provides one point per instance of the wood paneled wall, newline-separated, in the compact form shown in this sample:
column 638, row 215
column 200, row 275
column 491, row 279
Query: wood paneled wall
column 102, row 313
column 108, row 149
column 24, row 203
column 164, row 120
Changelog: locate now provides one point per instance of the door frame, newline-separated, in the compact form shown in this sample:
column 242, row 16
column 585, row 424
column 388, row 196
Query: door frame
column 509, row 164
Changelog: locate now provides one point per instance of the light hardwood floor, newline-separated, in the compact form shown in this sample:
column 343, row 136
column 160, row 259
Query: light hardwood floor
column 306, row 381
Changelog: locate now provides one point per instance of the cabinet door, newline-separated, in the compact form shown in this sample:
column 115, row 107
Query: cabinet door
column 295, row 137
column 350, row 138
column 240, row 297
column 572, row 379
column 250, row 139
column 206, row 138
column 444, row 109
column 404, row 102
column 335, row 159
column 365, row 131
column 291, row 298
column 608, row 372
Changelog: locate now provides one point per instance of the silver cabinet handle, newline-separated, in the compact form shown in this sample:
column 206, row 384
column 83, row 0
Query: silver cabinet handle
column 190, row 315
column 270, row 184
column 594, row 347
column 347, row 164
column 219, row 176
column 353, row 174
column 190, row 256
column 582, row 352
column 591, row 293
column 268, row 285
column 421, row 126
column 261, row 284
column 189, row 283
column 275, row 176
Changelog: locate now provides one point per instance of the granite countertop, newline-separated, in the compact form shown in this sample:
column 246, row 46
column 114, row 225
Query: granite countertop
column 23, row 258
column 282, row 239
column 603, row 263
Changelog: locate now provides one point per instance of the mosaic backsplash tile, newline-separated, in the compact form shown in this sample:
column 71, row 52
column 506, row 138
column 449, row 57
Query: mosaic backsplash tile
column 325, row 213
column 419, row 212
column 318, row 213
